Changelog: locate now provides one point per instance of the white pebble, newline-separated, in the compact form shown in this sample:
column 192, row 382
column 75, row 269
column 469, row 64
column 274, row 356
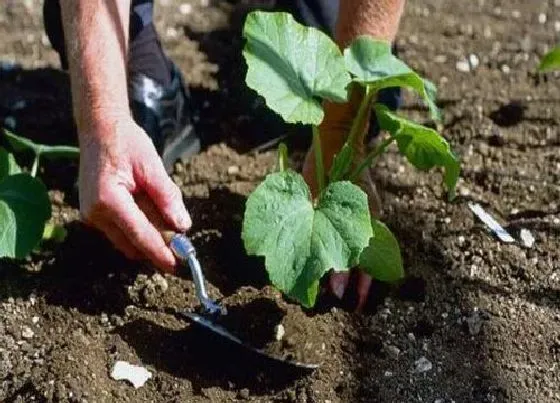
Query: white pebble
column 422, row 365
column 233, row 170
column 185, row 8
column 516, row 14
column 279, row 332
column 474, row 61
column 542, row 18
column 35, row 320
column 557, row 26
column 527, row 238
column 505, row 69
column 463, row 66
column 27, row 333
column 135, row 374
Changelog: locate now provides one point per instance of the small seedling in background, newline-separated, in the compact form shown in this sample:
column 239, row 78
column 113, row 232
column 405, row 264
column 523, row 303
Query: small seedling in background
column 550, row 61
column 301, row 238
column 24, row 203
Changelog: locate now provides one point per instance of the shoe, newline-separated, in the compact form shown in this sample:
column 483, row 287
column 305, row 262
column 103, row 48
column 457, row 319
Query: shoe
column 164, row 113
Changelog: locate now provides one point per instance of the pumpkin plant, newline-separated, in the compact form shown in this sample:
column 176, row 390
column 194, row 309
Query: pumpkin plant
column 24, row 203
column 294, row 68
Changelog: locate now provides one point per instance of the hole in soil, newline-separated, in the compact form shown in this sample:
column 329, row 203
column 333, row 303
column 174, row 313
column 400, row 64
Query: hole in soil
column 413, row 289
column 206, row 359
column 255, row 321
column 508, row 115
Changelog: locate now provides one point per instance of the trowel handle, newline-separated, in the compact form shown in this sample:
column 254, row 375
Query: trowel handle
column 184, row 251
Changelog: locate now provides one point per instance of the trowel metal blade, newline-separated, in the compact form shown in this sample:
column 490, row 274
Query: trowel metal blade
column 207, row 323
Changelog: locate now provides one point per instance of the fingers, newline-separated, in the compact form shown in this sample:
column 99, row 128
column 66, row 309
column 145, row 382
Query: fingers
column 338, row 283
column 165, row 194
column 119, row 240
column 139, row 231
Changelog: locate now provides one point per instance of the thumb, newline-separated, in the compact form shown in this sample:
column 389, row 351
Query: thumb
column 165, row 194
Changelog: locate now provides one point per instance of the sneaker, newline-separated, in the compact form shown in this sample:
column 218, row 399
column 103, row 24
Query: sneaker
column 164, row 113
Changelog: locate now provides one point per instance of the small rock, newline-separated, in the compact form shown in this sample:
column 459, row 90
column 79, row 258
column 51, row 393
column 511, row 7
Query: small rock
column 35, row 320
column 244, row 393
column 505, row 69
column 27, row 333
column 463, row 66
column 422, row 365
column 411, row 337
column 135, row 374
column 160, row 282
column 527, row 238
column 474, row 61
column 104, row 319
column 185, row 8
column 557, row 26
column 542, row 18
column 439, row 401
column 474, row 323
column 388, row 374
column 279, row 332
column 391, row 350
column 233, row 170
column 440, row 58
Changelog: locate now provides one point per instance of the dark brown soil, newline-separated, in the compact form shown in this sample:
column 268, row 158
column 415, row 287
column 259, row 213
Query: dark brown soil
column 475, row 320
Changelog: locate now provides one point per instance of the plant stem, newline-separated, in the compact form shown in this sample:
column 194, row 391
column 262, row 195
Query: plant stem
column 282, row 157
column 319, row 167
column 35, row 166
column 368, row 161
column 358, row 122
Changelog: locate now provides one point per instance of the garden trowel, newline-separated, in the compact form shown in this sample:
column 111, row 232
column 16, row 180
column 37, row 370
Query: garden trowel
column 210, row 310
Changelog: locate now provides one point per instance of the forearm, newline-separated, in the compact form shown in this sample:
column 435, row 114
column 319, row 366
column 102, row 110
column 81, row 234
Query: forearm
column 96, row 34
column 377, row 18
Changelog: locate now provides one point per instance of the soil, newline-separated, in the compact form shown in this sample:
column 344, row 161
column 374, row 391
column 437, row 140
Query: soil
column 475, row 320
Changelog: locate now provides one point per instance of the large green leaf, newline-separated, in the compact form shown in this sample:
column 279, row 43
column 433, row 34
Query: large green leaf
column 292, row 66
column 372, row 63
column 301, row 242
column 24, row 209
column 551, row 61
column 50, row 152
column 8, row 164
column 423, row 147
column 382, row 258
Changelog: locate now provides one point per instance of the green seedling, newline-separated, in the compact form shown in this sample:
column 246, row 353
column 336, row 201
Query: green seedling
column 550, row 61
column 295, row 68
column 24, row 203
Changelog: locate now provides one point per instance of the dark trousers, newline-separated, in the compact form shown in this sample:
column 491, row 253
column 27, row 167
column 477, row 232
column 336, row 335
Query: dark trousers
column 142, row 34
column 146, row 55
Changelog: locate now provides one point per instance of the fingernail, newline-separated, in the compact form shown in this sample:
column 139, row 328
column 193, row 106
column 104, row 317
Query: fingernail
column 183, row 220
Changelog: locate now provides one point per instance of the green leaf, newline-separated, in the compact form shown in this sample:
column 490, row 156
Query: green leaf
column 292, row 66
column 301, row 242
column 19, row 144
column 8, row 164
column 54, row 232
column 24, row 209
column 423, row 147
column 342, row 163
column 550, row 61
column 382, row 258
column 372, row 63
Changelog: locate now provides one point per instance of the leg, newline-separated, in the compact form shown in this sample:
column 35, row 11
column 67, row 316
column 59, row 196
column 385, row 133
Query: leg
column 159, row 100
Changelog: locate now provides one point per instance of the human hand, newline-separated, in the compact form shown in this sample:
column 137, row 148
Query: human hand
column 118, row 162
column 333, row 132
